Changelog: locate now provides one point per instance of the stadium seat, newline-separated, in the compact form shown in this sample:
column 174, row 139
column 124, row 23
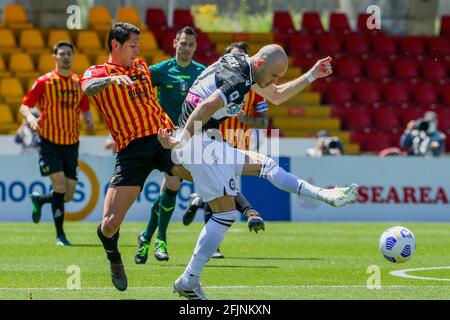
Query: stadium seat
column 443, row 119
column 15, row 17
column 362, row 25
column 167, row 42
column 46, row 62
column 311, row 23
column 396, row 94
column 282, row 22
column 155, row 19
column 11, row 91
column 409, row 114
column 149, row 45
column 6, row 119
column 31, row 41
column 434, row 71
column 339, row 23
column 57, row 35
column 357, row 45
column 357, row 119
column 8, row 44
column 88, row 42
column 438, row 47
column 102, row 58
column 22, row 67
column 375, row 142
column 406, row 69
column 339, row 93
column 99, row 18
column 80, row 63
column 386, row 120
column 367, row 93
column 329, row 45
column 301, row 44
column 445, row 96
column 425, row 95
column 378, row 69
column 204, row 44
column 445, row 26
column 348, row 69
column 130, row 15
column 412, row 46
column 384, row 46
column 182, row 18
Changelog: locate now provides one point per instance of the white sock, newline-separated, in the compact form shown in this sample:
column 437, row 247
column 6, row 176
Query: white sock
column 209, row 240
column 287, row 181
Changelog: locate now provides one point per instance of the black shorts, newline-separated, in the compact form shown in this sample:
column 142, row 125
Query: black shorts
column 135, row 162
column 58, row 157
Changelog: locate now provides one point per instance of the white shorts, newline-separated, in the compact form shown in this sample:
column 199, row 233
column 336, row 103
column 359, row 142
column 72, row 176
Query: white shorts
column 213, row 165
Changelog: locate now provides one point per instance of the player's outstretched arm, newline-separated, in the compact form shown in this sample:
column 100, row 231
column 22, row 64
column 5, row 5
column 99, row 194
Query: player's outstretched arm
column 278, row 94
column 94, row 86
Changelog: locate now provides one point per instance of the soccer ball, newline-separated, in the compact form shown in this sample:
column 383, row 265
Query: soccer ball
column 397, row 244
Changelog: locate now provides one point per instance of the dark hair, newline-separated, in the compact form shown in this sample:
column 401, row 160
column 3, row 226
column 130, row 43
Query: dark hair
column 239, row 45
column 188, row 30
column 121, row 31
column 63, row 43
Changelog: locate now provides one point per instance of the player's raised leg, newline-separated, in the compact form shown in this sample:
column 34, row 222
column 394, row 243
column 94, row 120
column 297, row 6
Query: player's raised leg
column 266, row 168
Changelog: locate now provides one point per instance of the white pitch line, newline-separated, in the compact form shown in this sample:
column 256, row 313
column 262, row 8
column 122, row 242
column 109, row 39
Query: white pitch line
column 235, row 287
column 404, row 273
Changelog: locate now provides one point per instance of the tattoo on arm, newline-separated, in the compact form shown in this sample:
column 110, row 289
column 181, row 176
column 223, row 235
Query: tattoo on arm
column 94, row 86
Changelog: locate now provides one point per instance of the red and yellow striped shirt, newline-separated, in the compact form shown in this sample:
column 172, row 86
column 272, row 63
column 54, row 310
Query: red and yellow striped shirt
column 131, row 112
column 238, row 133
column 60, row 102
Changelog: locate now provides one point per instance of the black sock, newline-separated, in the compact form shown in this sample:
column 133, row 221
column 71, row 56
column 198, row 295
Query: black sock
column 110, row 245
column 58, row 212
column 45, row 198
column 208, row 212
column 242, row 204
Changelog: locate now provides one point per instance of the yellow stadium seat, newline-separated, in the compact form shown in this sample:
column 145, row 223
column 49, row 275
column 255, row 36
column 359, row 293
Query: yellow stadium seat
column 22, row 67
column 31, row 41
column 3, row 72
column 87, row 41
column 149, row 44
column 46, row 63
column 102, row 58
column 56, row 36
column 80, row 63
column 8, row 44
column 14, row 16
column 99, row 18
column 160, row 57
column 6, row 119
column 11, row 91
column 31, row 81
column 130, row 15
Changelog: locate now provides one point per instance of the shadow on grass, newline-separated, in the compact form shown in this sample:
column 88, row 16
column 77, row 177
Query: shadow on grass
column 277, row 258
column 100, row 246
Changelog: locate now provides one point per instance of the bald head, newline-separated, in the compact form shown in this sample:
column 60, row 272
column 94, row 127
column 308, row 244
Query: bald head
column 270, row 63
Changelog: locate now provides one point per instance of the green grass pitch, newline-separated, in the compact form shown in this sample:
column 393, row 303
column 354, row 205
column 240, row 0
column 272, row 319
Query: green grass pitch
column 288, row 261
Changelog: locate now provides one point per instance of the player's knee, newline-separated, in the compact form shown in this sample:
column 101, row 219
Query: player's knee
column 59, row 187
column 268, row 167
column 68, row 197
column 110, row 227
column 173, row 184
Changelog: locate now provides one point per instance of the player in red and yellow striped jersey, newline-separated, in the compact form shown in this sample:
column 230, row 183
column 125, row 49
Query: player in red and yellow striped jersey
column 60, row 100
column 123, row 91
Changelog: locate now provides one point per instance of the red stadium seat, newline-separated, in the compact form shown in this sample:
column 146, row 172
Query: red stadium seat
column 406, row 69
column 412, row 46
column 182, row 18
column 434, row 71
column 386, row 119
column 357, row 45
column 378, row 69
column 409, row 114
column 282, row 22
column 425, row 95
column 396, row 94
column 384, row 46
column 367, row 93
column 357, row 119
column 339, row 23
column 339, row 93
column 311, row 23
column 348, row 69
column 301, row 44
column 375, row 142
column 166, row 43
column 329, row 45
column 438, row 47
column 204, row 44
column 155, row 19
column 443, row 119
column 445, row 26
column 445, row 95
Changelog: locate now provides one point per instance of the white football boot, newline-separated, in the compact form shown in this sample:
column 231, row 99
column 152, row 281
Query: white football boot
column 339, row 196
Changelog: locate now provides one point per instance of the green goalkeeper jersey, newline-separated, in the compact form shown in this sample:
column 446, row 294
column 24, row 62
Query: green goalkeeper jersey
column 173, row 82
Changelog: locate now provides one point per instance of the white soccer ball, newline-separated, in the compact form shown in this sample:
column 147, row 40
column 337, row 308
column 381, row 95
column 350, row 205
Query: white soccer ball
column 397, row 244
